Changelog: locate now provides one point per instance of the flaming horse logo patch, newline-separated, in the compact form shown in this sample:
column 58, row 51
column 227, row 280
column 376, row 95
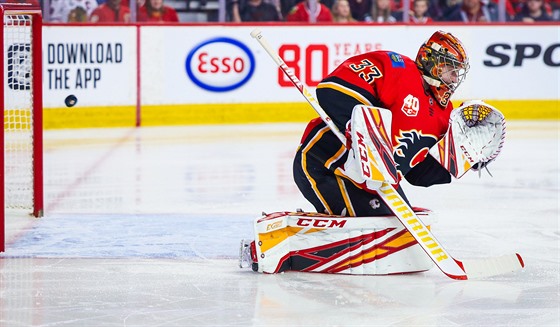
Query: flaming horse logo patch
column 411, row 148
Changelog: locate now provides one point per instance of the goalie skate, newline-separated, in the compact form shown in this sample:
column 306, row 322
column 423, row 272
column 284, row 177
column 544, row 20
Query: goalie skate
column 246, row 255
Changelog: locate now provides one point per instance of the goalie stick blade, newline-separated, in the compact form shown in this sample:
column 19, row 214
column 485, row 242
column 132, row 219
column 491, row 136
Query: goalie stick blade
column 451, row 267
column 488, row 267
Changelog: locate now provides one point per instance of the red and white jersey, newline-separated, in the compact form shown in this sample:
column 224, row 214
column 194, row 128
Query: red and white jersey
column 392, row 81
column 104, row 13
column 301, row 13
column 167, row 14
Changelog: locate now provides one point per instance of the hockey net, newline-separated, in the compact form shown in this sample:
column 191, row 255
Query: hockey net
column 21, row 101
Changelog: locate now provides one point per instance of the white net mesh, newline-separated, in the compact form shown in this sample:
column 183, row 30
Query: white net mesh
column 18, row 113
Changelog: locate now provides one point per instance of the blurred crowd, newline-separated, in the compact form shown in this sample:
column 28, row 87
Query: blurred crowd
column 392, row 11
column 110, row 11
column 335, row 11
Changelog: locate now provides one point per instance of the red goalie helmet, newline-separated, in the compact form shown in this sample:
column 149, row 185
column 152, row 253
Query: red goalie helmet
column 444, row 64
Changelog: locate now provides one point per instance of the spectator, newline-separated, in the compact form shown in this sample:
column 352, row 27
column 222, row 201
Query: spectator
column 360, row 9
column 515, row 6
column 301, row 11
column 555, row 9
column 286, row 6
column 533, row 11
column 381, row 12
column 550, row 6
column 77, row 15
column 56, row 10
column 61, row 10
column 111, row 11
column 278, row 5
column 440, row 8
column 341, row 12
column 155, row 11
column 473, row 11
column 511, row 10
column 254, row 11
column 419, row 13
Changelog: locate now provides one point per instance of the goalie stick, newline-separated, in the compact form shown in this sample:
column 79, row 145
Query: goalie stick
column 455, row 269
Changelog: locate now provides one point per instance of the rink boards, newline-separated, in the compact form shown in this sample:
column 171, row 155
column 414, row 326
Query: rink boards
column 216, row 74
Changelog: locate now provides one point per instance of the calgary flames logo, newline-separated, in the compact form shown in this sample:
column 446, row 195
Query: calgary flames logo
column 411, row 148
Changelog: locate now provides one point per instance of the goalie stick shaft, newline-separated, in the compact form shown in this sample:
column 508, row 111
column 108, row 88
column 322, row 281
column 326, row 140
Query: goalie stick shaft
column 256, row 33
column 442, row 259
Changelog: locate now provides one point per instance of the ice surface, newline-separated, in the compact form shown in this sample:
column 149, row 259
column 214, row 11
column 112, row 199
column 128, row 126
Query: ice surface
column 142, row 228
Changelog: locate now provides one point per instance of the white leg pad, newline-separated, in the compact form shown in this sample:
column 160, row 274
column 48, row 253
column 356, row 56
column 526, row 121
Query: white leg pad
column 335, row 244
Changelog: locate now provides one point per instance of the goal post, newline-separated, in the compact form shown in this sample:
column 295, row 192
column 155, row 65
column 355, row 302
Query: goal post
column 21, row 99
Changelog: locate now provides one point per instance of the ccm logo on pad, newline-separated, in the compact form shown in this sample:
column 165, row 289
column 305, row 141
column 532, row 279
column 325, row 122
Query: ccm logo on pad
column 221, row 64
column 321, row 223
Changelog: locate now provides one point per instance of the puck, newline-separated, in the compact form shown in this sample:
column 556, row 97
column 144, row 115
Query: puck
column 71, row 100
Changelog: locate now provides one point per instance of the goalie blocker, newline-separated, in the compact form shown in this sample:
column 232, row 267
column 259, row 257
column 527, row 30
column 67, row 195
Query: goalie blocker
column 312, row 242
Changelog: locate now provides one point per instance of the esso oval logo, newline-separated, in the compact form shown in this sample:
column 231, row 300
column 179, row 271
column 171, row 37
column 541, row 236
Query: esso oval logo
column 220, row 64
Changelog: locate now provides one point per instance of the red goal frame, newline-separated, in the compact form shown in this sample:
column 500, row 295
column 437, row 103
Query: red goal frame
column 37, row 99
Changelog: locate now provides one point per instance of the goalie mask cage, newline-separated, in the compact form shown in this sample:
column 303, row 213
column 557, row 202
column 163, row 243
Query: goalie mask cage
column 21, row 97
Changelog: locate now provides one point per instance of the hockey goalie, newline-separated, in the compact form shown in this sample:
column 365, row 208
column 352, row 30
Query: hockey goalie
column 399, row 124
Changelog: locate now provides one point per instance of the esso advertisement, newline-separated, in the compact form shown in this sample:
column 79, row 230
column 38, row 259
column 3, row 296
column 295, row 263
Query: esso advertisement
column 220, row 64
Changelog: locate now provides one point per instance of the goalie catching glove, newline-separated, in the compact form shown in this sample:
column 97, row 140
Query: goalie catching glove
column 475, row 137
column 483, row 131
